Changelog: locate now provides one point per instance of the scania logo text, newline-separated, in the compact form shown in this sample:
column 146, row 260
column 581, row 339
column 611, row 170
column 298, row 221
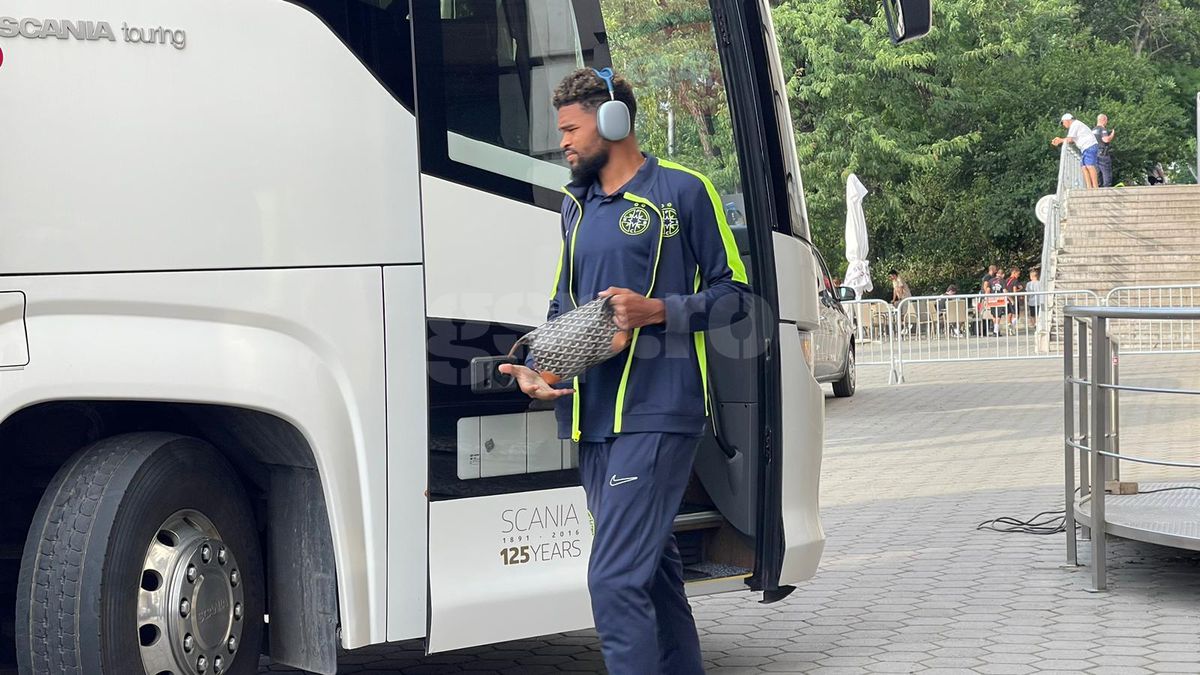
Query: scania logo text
column 88, row 31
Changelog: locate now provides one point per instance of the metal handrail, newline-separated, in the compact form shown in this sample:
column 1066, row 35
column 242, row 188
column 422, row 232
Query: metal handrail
column 1142, row 313
column 1130, row 458
column 1151, row 287
column 1099, row 416
column 1145, row 390
column 1070, row 176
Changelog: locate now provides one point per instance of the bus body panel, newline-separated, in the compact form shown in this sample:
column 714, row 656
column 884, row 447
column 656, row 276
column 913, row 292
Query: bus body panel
column 508, row 566
column 510, row 248
column 408, row 452
column 303, row 345
column 263, row 142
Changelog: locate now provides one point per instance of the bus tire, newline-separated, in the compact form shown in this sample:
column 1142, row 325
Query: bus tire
column 143, row 557
column 844, row 388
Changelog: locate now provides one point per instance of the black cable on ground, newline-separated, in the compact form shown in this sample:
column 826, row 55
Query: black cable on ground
column 1055, row 523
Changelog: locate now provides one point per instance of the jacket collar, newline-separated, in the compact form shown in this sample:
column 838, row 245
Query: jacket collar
column 636, row 185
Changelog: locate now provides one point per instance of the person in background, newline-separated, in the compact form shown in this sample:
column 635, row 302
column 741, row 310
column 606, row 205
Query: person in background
column 1035, row 301
column 1104, row 136
column 1155, row 175
column 997, row 282
column 1013, row 283
column 991, row 273
column 1015, row 302
column 900, row 289
column 941, row 308
column 997, row 303
column 1079, row 134
column 982, row 313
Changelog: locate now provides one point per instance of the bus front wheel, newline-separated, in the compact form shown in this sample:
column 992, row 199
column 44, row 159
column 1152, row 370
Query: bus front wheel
column 143, row 557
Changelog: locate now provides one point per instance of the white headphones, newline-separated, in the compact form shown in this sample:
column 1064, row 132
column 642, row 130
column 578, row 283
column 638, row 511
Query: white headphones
column 612, row 118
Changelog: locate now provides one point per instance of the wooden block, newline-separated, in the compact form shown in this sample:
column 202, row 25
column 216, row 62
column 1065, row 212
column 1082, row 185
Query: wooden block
column 1123, row 487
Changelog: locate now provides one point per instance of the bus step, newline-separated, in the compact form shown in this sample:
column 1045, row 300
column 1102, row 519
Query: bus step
column 698, row 520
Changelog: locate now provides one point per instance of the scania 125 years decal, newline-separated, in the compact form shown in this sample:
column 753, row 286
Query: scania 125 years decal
column 541, row 534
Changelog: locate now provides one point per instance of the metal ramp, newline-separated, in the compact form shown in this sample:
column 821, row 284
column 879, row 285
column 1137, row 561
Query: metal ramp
column 1167, row 514
column 1161, row 513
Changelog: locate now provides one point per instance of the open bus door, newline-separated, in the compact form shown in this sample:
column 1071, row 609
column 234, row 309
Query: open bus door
column 788, row 536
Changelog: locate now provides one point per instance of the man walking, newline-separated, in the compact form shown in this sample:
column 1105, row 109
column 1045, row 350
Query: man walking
column 645, row 233
column 1104, row 137
column 1083, row 138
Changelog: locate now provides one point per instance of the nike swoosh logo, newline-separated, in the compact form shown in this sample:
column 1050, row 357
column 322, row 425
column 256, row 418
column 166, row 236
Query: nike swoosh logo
column 614, row 481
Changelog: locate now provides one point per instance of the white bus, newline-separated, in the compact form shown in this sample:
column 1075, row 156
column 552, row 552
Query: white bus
column 248, row 249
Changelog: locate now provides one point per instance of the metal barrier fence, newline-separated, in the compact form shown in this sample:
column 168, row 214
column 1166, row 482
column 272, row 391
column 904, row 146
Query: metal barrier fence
column 993, row 326
column 1093, row 431
column 874, row 334
column 980, row 326
column 1156, row 335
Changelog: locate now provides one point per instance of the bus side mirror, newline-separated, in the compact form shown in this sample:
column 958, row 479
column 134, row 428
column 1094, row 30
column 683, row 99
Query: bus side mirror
column 845, row 293
column 908, row 19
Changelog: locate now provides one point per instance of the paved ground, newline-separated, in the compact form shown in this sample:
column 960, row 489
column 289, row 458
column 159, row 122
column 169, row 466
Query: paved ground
column 907, row 584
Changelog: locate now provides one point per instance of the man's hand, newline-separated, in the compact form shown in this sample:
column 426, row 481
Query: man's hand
column 532, row 384
column 1056, row 142
column 632, row 310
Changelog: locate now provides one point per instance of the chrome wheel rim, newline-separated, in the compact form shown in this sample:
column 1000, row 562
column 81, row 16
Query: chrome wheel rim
column 851, row 370
column 191, row 600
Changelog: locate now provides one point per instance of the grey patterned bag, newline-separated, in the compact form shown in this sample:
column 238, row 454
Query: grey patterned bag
column 575, row 341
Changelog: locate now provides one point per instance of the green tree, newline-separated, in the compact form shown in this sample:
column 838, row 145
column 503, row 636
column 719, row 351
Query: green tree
column 668, row 52
column 951, row 133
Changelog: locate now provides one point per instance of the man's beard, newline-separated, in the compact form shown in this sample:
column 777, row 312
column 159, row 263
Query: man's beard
column 587, row 169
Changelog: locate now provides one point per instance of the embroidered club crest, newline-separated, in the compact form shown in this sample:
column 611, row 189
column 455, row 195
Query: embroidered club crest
column 670, row 220
column 635, row 221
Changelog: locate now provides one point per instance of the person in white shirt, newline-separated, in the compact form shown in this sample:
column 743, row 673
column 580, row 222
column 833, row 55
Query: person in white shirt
column 1083, row 138
column 1036, row 301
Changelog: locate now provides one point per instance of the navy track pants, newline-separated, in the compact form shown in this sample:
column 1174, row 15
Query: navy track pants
column 634, row 486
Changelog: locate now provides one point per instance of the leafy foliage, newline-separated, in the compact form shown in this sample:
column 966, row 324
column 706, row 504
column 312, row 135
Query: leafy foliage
column 951, row 133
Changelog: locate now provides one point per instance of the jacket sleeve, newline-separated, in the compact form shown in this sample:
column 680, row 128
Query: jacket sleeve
column 719, row 268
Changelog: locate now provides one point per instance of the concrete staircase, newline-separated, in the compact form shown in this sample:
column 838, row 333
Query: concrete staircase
column 1134, row 236
column 1139, row 236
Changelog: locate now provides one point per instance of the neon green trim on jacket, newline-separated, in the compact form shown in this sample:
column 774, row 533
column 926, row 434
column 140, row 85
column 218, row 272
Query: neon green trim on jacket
column 575, row 432
column 620, row 404
column 571, row 266
column 701, row 352
column 734, row 260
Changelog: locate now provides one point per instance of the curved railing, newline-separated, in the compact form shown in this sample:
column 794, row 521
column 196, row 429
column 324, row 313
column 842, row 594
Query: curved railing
column 1070, row 177
column 1093, row 431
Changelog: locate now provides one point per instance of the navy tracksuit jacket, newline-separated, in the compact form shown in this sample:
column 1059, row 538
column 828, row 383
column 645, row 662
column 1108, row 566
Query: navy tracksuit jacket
column 639, row 416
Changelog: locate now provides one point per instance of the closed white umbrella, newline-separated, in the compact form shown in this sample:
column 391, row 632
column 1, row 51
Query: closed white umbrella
column 858, row 274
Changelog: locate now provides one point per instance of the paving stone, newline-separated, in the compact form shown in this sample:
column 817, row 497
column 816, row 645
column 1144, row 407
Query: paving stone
column 1003, row 669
